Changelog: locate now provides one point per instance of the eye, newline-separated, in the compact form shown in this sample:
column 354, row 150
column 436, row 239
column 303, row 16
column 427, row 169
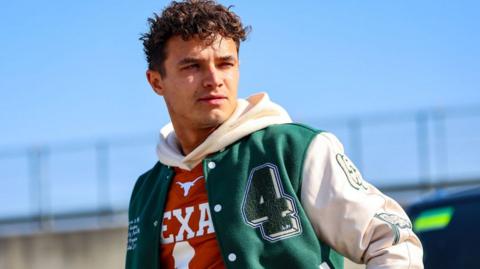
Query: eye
column 226, row 64
column 190, row 67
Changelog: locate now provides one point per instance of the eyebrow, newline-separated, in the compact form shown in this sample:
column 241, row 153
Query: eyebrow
column 227, row 58
column 190, row 60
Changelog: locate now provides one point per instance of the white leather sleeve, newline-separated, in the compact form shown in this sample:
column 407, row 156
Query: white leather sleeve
column 352, row 216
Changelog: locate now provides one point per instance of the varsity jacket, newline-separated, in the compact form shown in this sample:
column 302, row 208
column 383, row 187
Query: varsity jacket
column 281, row 195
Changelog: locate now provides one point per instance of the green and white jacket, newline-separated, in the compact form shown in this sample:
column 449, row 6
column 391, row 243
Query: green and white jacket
column 282, row 195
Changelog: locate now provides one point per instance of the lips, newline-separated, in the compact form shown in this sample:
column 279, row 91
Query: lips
column 213, row 99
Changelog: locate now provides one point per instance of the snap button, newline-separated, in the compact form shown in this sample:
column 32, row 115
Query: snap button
column 232, row 257
column 211, row 165
column 217, row 208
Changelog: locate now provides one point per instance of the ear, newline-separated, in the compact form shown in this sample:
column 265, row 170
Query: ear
column 155, row 80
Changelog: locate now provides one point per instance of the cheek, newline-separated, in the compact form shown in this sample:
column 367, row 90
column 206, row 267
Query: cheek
column 183, row 83
column 189, row 79
column 232, row 83
column 231, row 78
column 183, row 90
column 187, row 83
column 233, row 75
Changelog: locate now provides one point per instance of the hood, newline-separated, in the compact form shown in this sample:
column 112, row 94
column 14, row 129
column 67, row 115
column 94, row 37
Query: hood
column 252, row 114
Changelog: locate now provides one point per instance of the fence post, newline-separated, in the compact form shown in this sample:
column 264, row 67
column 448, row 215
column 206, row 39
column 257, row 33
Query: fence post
column 423, row 149
column 39, row 196
column 103, row 184
column 355, row 131
column 441, row 145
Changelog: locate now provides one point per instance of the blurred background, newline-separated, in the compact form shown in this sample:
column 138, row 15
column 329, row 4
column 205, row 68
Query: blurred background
column 396, row 81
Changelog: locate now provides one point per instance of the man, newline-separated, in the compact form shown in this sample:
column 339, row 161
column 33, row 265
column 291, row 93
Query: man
column 237, row 184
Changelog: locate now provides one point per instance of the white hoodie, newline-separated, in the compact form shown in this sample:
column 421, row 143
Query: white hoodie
column 347, row 213
column 253, row 114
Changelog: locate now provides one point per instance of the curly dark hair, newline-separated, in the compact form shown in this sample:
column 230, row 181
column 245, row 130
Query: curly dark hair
column 191, row 18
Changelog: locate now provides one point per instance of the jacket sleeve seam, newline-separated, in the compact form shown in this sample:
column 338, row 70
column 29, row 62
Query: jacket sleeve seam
column 302, row 166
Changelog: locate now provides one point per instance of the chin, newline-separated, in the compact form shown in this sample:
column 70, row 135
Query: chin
column 216, row 119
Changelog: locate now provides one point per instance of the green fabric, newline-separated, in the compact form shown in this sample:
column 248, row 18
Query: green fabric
column 146, row 206
column 272, row 241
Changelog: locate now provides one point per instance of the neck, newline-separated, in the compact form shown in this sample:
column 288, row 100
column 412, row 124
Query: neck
column 190, row 138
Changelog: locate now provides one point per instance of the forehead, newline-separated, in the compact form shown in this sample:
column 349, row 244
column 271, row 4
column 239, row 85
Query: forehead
column 177, row 48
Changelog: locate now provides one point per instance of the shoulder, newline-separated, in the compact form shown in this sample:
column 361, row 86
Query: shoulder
column 289, row 131
column 315, row 138
column 145, row 180
column 327, row 141
column 292, row 128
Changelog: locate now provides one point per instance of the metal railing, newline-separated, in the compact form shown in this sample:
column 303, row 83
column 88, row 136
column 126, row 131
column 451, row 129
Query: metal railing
column 417, row 151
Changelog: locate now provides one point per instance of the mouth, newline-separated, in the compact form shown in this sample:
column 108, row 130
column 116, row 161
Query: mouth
column 213, row 99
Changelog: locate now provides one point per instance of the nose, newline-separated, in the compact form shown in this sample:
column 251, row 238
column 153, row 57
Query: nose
column 212, row 78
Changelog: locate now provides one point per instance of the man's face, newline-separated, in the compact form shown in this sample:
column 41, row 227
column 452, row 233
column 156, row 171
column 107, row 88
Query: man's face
column 200, row 81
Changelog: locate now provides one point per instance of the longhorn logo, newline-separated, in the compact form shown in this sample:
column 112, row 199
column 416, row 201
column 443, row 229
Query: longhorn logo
column 187, row 185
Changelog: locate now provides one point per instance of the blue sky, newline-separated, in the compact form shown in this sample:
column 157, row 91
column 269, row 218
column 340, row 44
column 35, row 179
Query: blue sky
column 76, row 69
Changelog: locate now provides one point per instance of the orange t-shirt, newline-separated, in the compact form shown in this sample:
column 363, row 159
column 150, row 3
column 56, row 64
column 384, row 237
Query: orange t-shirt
column 188, row 239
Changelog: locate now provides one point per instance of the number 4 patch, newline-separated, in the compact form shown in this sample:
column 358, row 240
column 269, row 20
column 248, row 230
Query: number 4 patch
column 266, row 206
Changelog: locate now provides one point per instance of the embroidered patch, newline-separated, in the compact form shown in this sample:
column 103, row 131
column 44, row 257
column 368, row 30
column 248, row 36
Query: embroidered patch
column 351, row 171
column 396, row 222
column 266, row 206
column 133, row 232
